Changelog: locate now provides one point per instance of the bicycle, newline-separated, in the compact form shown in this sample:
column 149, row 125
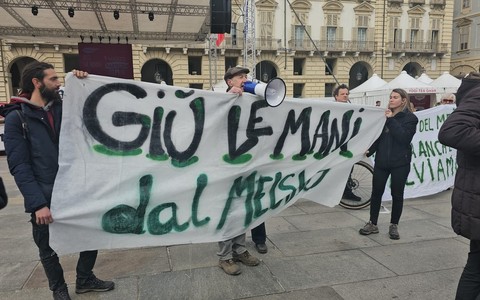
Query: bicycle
column 360, row 182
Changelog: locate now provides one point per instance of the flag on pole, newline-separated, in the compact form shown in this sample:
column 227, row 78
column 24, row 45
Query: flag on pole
column 220, row 38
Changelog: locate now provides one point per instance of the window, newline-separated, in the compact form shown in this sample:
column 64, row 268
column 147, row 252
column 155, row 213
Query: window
column 71, row 61
column 434, row 39
column 413, row 38
column 362, row 38
column 195, row 65
column 298, row 64
column 266, row 26
column 330, row 66
column 329, row 89
column 466, row 4
column 298, row 90
column 196, row 86
column 234, row 33
column 397, row 38
column 299, row 35
column 362, row 21
column 464, row 33
column 331, row 36
column 230, row 62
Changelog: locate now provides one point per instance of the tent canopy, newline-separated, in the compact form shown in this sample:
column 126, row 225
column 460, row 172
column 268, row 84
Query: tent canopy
column 408, row 83
column 141, row 21
column 425, row 78
column 373, row 83
column 446, row 83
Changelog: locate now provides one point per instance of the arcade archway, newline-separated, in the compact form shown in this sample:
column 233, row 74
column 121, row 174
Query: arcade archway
column 358, row 74
column 16, row 69
column 265, row 70
column 413, row 69
column 157, row 71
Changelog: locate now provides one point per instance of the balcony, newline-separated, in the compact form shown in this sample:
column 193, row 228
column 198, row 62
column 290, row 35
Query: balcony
column 332, row 46
column 417, row 47
column 395, row 1
column 440, row 3
column 416, row 2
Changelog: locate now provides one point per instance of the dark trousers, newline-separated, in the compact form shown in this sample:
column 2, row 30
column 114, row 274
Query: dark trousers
column 51, row 263
column 399, row 178
column 259, row 234
column 469, row 284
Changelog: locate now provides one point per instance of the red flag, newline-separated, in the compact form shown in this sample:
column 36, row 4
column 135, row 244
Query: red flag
column 220, row 38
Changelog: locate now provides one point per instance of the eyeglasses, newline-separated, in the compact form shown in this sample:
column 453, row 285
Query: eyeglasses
column 447, row 101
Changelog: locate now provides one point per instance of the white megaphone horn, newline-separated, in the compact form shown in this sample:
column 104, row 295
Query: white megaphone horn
column 273, row 92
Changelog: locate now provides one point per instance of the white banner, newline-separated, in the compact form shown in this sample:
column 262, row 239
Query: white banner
column 434, row 165
column 144, row 164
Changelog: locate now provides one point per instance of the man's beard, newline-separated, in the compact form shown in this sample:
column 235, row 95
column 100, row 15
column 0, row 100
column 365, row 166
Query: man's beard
column 49, row 94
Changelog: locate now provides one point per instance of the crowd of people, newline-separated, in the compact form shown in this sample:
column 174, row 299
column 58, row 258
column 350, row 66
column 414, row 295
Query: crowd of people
column 32, row 127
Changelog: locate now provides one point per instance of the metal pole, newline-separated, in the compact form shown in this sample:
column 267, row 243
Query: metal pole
column 383, row 36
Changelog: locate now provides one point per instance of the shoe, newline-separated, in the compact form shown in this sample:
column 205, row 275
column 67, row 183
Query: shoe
column 246, row 258
column 61, row 293
column 369, row 228
column 349, row 195
column 229, row 267
column 261, row 248
column 393, row 232
column 93, row 284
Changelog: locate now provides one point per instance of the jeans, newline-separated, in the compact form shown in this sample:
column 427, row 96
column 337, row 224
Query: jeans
column 469, row 284
column 51, row 263
column 259, row 234
column 399, row 178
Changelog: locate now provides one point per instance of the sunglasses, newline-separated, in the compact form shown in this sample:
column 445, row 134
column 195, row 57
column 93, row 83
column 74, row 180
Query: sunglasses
column 447, row 101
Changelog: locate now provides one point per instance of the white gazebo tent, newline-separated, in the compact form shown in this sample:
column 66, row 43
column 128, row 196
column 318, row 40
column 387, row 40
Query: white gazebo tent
column 421, row 94
column 425, row 78
column 357, row 95
column 446, row 83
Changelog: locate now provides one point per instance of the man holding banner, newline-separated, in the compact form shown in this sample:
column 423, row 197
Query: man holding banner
column 32, row 129
column 233, row 250
column 341, row 95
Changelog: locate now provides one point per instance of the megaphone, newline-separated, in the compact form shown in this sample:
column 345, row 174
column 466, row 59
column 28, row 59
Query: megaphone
column 273, row 92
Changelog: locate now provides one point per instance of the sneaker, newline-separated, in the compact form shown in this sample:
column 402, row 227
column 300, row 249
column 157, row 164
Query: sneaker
column 369, row 228
column 246, row 258
column 61, row 293
column 93, row 284
column 261, row 248
column 349, row 195
column 229, row 267
column 393, row 232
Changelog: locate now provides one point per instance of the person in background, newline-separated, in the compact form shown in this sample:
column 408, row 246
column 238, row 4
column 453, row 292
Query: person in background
column 378, row 103
column 32, row 130
column 234, row 250
column 448, row 99
column 461, row 131
column 393, row 157
column 340, row 93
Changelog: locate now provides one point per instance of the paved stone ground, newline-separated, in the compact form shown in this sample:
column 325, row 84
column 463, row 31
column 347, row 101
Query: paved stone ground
column 315, row 252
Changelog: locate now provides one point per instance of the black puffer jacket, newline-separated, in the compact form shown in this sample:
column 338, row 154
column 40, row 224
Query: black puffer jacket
column 393, row 148
column 461, row 131
column 33, row 155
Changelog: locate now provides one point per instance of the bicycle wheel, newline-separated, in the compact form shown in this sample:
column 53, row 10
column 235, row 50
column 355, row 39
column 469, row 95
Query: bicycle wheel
column 360, row 182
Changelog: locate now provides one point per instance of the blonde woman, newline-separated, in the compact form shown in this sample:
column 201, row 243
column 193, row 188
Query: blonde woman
column 392, row 158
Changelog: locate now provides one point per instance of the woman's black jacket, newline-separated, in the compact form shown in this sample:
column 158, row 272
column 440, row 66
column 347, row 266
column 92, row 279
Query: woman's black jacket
column 392, row 149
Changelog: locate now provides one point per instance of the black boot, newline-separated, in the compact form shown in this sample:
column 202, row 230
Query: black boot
column 61, row 293
column 349, row 195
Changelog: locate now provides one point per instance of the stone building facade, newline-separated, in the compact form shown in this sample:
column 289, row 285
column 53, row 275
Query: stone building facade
column 466, row 41
column 312, row 45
